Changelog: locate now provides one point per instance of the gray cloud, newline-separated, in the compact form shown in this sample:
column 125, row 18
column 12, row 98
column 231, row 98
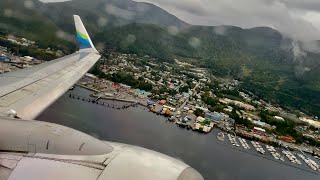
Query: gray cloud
column 297, row 19
column 53, row 1
column 303, row 4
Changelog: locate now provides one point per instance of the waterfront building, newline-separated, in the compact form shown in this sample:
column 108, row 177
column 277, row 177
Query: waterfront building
column 259, row 131
column 200, row 119
column 141, row 93
column 287, row 139
column 263, row 124
column 278, row 118
column 4, row 59
column 202, row 108
column 213, row 116
column 162, row 102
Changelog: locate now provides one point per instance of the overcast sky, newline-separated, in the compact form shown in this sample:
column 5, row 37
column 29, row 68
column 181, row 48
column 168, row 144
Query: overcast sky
column 299, row 19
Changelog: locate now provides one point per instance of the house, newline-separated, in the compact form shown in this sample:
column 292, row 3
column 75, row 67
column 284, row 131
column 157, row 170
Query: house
column 162, row 102
column 278, row 118
column 287, row 139
column 141, row 93
column 260, row 123
column 200, row 119
column 4, row 59
column 213, row 116
column 259, row 131
column 202, row 108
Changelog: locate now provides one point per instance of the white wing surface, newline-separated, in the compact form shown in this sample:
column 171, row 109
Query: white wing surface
column 30, row 91
column 35, row 150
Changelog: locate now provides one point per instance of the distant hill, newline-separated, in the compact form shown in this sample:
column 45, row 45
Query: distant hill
column 44, row 21
column 260, row 57
column 17, row 19
column 102, row 14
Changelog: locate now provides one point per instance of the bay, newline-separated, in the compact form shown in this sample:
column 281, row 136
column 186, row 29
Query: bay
column 214, row 159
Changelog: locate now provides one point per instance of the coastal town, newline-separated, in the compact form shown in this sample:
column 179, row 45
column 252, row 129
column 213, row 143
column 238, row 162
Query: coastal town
column 193, row 98
column 186, row 96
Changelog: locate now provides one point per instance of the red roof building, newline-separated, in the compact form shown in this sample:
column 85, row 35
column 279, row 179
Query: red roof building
column 287, row 139
column 162, row 102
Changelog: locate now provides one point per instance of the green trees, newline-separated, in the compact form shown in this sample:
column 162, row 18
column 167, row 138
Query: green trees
column 213, row 103
column 184, row 89
column 210, row 100
column 199, row 112
column 127, row 78
column 239, row 120
column 267, row 117
column 27, row 51
column 144, row 86
column 172, row 92
column 122, row 77
column 255, row 56
column 283, row 128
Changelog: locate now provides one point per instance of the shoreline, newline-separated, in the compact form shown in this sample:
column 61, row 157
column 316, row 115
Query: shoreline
column 88, row 88
column 114, row 99
column 267, row 158
column 107, row 123
column 222, row 144
column 158, row 113
column 109, row 98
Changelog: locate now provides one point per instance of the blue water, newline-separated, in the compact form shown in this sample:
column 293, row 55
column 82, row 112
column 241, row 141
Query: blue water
column 212, row 158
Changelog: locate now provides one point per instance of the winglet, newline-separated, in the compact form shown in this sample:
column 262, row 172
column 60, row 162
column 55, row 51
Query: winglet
column 85, row 43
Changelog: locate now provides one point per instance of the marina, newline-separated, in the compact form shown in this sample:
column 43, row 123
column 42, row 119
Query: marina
column 131, row 125
column 258, row 147
column 95, row 101
column 233, row 140
column 291, row 157
column 244, row 143
column 311, row 163
column 274, row 153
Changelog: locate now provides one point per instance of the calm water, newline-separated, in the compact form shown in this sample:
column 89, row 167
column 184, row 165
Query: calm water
column 135, row 125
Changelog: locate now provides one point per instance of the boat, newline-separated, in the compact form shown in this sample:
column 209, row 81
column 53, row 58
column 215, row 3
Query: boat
column 220, row 136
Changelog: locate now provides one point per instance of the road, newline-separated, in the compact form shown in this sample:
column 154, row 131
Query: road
column 187, row 100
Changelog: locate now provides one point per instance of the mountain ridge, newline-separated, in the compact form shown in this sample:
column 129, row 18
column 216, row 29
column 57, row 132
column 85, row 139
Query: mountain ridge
column 257, row 56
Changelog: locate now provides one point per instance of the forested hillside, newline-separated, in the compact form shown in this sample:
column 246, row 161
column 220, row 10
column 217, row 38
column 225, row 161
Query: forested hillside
column 262, row 58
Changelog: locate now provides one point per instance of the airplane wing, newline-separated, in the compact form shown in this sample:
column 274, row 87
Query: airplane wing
column 30, row 91
column 35, row 150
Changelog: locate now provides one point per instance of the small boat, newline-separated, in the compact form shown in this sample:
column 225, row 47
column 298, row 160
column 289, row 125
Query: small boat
column 220, row 136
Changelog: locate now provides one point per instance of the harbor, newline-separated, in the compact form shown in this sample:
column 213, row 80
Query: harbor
column 244, row 143
column 274, row 153
column 234, row 140
column 109, row 105
column 138, row 126
column 258, row 147
column 185, row 112
column 291, row 156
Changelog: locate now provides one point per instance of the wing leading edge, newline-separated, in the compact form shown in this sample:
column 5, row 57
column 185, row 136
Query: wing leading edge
column 30, row 91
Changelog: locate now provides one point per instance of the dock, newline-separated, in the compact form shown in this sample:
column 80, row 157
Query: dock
column 95, row 101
